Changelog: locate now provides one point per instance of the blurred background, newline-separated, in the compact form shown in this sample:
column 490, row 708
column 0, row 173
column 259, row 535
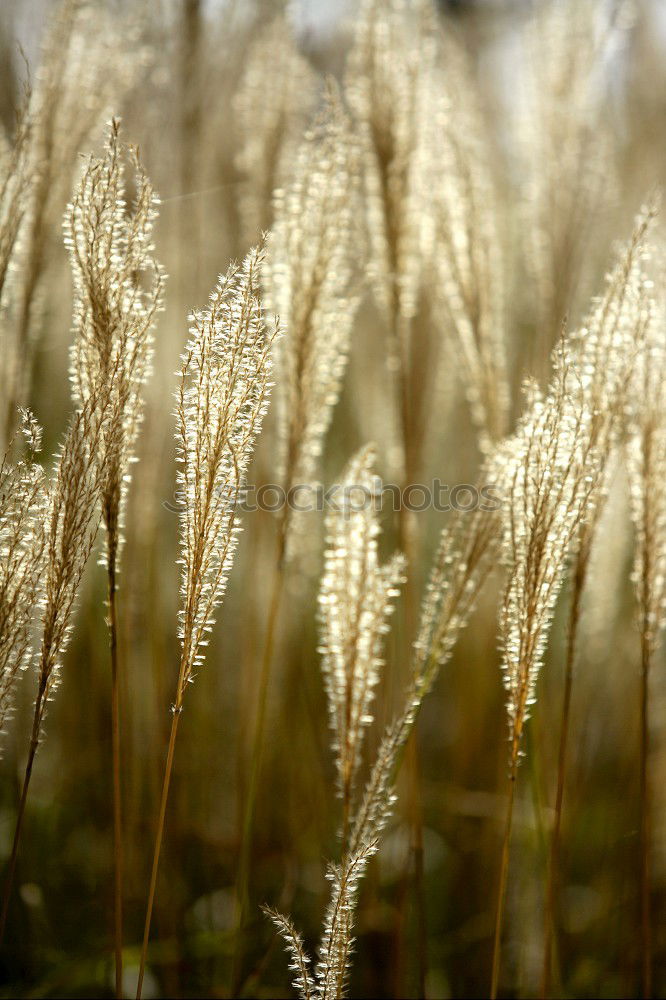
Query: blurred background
column 216, row 95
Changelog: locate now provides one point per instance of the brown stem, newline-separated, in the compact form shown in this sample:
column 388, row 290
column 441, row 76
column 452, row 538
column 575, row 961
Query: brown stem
column 407, row 528
column 504, row 871
column 416, row 845
column 11, row 869
column 646, row 917
column 242, row 881
column 116, row 769
column 346, row 811
column 553, row 879
column 158, row 843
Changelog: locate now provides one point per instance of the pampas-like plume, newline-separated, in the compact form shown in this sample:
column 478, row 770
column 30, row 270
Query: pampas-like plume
column 355, row 600
column 461, row 232
column 607, row 346
column 568, row 171
column 466, row 556
column 337, row 941
column 647, row 462
column 225, row 383
column 556, row 462
column 274, row 100
column 300, row 963
column 310, row 284
column 71, row 528
column 82, row 68
column 70, row 525
column 553, row 473
column 647, row 459
column 23, row 495
column 111, row 254
column 14, row 186
column 393, row 47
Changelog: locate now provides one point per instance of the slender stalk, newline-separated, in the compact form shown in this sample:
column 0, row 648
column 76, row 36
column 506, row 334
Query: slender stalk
column 553, row 879
column 242, row 881
column 116, row 767
column 504, row 872
column 416, row 847
column 11, row 868
column 646, row 634
column 177, row 709
column 346, row 816
column 407, row 534
column 646, row 916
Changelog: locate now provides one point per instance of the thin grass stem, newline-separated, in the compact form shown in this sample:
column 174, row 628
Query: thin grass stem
column 554, row 873
column 242, row 881
column 503, row 878
column 11, row 868
column 646, row 914
column 177, row 709
column 118, row 852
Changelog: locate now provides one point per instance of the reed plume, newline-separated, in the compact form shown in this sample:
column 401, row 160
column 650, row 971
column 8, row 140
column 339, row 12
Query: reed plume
column 393, row 48
column 23, row 493
column 556, row 462
column 118, row 290
column 461, row 236
column 394, row 44
column 466, row 555
column 337, row 941
column 551, row 476
column 225, row 384
column 310, row 282
column 71, row 521
column 568, row 174
column 355, row 599
column 274, row 100
column 608, row 347
column 14, row 186
column 82, row 68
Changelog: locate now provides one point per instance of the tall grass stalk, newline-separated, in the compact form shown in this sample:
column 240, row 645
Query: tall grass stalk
column 18, row 828
column 461, row 566
column 503, row 878
column 647, row 454
column 116, row 770
column 225, row 383
column 408, row 542
column 311, row 282
column 553, row 873
column 176, row 710
column 112, row 257
column 256, row 756
column 645, row 820
column 71, row 522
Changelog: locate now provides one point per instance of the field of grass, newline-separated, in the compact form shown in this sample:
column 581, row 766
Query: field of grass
column 333, row 499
